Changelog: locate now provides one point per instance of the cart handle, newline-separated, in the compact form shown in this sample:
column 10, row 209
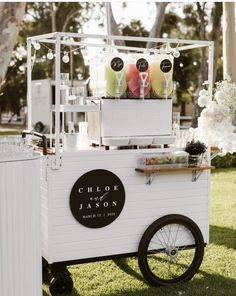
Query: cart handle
column 33, row 133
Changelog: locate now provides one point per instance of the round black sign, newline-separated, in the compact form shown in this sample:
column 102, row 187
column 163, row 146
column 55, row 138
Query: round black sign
column 117, row 64
column 142, row 65
column 97, row 198
column 166, row 66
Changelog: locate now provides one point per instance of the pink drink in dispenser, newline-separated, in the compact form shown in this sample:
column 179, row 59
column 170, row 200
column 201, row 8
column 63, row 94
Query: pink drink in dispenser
column 137, row 76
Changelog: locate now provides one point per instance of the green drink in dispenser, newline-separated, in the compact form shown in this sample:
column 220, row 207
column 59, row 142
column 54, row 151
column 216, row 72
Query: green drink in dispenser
column 115, row 75
column 161, row 75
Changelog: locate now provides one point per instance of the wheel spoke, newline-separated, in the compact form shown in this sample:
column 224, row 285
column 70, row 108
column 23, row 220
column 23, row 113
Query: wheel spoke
column 171, row 250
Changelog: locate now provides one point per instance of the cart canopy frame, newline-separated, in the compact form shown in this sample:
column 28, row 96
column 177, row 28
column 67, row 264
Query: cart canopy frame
column 76, row 39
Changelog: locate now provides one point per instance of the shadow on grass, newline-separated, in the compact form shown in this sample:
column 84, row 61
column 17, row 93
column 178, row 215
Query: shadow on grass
column 204, row 284
column 208, row 285
column 124, row 266
column 223, row 236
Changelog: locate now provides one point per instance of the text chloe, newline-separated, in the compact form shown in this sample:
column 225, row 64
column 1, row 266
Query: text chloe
column 98, row 189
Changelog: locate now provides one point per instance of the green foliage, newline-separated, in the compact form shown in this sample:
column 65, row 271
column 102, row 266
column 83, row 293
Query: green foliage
column 135, row 28
column 195, row 148
column 13, row 96
column 69, row 16
column 227, row 161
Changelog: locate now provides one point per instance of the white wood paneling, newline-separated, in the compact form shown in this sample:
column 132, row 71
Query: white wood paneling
column 170, row 193
column 20, row 251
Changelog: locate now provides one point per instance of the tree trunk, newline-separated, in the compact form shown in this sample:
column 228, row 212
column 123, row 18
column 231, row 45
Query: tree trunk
column 203, row 70
column 114, row 27
column 11, row 15
column 216, row 34
column 156, row 28
column 229, row 40
column 53, row 16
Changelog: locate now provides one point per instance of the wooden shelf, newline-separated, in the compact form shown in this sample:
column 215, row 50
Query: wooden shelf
column 174, row 169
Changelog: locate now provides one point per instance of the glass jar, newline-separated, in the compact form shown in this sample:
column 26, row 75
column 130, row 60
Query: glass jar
column 107, row 75
column 137, row 76
column 161, row 75
column 194, row 160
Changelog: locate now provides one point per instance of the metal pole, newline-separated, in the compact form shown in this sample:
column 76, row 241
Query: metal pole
column 57, row 94
column 71, row 66
column 29, row 90
column 211, row 69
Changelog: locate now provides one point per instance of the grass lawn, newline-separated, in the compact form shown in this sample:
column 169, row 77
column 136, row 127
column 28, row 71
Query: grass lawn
column 9, row 130
column 216, row 277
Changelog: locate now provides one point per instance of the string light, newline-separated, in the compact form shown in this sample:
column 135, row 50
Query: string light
column 50, row 55
column 37, row 45
column 162, row 50
column 65, row 58
column 168, row 48
column 176, row 53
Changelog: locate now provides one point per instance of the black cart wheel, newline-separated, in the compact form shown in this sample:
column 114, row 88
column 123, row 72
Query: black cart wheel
column 171, row 250
column 61, row 285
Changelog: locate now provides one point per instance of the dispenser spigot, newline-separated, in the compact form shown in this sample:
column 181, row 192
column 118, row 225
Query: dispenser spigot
column 143, row 83
column 119, row 77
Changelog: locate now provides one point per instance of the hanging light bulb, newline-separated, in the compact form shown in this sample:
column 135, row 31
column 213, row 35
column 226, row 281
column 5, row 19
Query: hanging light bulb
column 65, row 58
column 162, row 50
column 168, row 48
column 37, row 45
column 50, row 55
column 176, row 53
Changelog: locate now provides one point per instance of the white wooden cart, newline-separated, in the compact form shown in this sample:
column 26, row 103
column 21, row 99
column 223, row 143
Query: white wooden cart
column 97, row 205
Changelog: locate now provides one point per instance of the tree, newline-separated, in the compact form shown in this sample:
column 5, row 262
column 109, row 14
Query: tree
column 216, row 15
column 41, row 17
column 58, row 16
column 201, row 11
column 156, row 28
column 11, row 15
column 135, row 28
column 113, row 25
column 159, row 20
column 229, row 44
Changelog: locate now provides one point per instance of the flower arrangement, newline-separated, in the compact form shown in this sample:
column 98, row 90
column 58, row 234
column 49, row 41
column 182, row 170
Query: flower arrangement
column 215, row 124
column 195, row 148
column 225, row 94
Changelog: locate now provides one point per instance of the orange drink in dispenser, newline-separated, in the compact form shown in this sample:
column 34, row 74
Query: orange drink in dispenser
column 161, row 75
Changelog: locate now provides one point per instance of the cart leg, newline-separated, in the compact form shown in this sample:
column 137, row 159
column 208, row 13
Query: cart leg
column 61, row 283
